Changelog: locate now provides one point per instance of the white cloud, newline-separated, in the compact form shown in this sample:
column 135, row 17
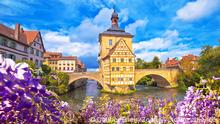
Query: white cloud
column 178, row 52
column 89, row 29
column 123, row 14
column 197, row 9
column 132, row 28
column 58, row 42
column 81, row 40
column 168, row 45
column 56, row 37
column 168, row 39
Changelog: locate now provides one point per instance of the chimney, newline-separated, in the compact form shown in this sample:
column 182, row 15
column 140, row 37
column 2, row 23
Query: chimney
column 17, row 31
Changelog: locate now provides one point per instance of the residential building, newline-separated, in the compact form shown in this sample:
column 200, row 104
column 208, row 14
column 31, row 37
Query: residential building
column 186, row 61
column 189, row 61
column 116, row 57
column 63, row 63
column 172, row 63
column 19, row 44
column 80, row 67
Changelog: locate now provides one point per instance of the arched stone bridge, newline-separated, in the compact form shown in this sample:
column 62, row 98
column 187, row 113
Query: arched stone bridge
column 163, row 77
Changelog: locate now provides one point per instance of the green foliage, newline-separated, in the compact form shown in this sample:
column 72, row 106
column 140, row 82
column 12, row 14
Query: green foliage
column 147, row 80
column 141, row 64
column 55, row 81
column 209, row 66
column 156, row 62
column 46, row 69
column 210, row 61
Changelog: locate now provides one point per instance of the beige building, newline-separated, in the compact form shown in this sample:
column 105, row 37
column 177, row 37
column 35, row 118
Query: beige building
column 19, row 44
column 116, row 56
column 63, row 63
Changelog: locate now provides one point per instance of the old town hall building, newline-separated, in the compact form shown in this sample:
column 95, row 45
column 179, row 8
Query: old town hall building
column 116, row 57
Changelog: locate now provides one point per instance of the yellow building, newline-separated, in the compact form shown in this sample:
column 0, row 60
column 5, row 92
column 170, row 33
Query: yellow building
column 116, row 58
column 63, row 63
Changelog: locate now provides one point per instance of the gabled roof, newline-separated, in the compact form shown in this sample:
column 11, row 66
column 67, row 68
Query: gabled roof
column 112, row 50
column 25, row 37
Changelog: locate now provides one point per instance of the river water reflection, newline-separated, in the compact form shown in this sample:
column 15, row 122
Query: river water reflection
column 75, row 97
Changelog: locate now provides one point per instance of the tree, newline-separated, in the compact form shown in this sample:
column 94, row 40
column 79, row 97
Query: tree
column 46, row 69
column 156, row 62
column 209, row 61
column 139, row 63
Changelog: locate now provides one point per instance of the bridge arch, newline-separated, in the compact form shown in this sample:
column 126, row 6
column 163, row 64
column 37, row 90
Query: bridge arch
column 163, row 77
column 160, row 80
column 85, row 75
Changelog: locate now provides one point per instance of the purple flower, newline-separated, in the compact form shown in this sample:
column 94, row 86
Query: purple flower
column 24, row 98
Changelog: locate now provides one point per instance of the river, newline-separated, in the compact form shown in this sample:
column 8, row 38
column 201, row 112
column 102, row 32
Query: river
column 76, row 96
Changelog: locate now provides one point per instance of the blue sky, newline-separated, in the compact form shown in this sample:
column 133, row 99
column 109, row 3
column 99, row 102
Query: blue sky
column 164, row 28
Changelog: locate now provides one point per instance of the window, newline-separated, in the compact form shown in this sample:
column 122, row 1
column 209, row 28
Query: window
column 122, row 59
column 25, row 49
column 37, row 53
column 4, row 42
column 59, row 68
column 114, row 59
column 12, row 45
column 130, row 79
column 130, row 60
column 11, row 56
column 110, row 42
column 124, row 68
column 31, row 59
column 68, row 68
column 32, row 50
column 63, row 68
column 113, row 79
column 131, row 68
column 117, row 69
column 113, row 68
column 120, row 79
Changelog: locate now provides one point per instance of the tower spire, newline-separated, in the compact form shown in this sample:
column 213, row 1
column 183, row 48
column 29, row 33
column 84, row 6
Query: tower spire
column 114, row 18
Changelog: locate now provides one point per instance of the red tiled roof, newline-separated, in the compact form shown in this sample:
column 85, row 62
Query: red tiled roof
column 25, row 37
column 172, row 62
column 68, row 58
column 58, row 56
column 190, row 57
